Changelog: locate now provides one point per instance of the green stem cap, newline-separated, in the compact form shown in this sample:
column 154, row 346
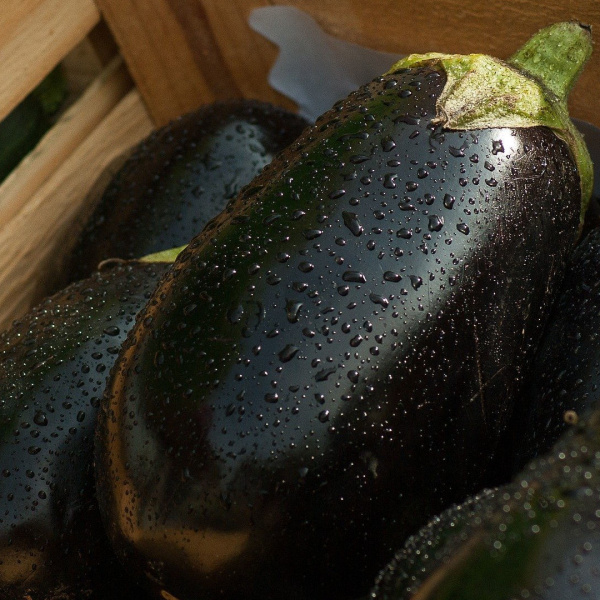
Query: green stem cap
column 555, row 56
column 167, row 256
column 529, row 90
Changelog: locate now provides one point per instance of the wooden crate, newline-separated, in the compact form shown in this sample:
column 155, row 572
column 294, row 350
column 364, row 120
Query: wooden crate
column 171, row 56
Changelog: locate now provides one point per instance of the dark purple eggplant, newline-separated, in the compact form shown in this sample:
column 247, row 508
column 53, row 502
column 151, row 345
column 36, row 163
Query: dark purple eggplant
column 537, row 537
column 334, row 358
column 180, row 177
column 564, row 381
column 54, row 363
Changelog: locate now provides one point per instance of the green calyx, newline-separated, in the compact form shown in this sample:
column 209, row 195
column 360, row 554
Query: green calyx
column 528, row 90
column 167, row 256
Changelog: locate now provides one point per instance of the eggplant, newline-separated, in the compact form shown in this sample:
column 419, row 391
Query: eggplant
column 333, row 359
column 536, row 537
column 564, row 380
column 180, row 177
column 54, row 363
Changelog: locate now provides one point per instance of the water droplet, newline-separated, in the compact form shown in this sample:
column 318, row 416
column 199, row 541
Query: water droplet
column 389, row 181
column 353, row 376
column 235, row 314
column 273, row 279
column 352, row 223
column 435, row 223
column 463, row 228
column 228, row 274
column 404, row 233
column 324, row 374
column 449, row 201
column 271, row 218
column 112, row 330
column 292, row 310
column 356, row 341
column 288, row 353
column 299, row 286
column 391, row 276
column 324, row 416
column 378, row 299
column 271, row 398
column 354, row 277
column 312, row 234
column 497, row 147
column 415, row 281
column 411, row 186
column 336, row 194
column 388, row 144
column 306, row 267
column 457, row 152
column 40, row 418
column 189, row 308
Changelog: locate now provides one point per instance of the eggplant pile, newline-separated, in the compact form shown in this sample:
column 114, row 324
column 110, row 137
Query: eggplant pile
column 336, row 357
column 55, row 361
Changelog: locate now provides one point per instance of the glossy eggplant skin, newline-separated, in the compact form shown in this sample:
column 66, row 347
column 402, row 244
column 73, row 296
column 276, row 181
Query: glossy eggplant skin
column 180, row 177
column 333, row 359
column 537, row 537
column 54, row 363
column 564, row 381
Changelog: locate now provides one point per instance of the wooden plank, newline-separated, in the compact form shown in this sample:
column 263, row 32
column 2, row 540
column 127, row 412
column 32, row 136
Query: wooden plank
column 184, row 52
column 87, row 60
column 34, row 241
column 34, row 36
column 63, row 139
column 158, row 55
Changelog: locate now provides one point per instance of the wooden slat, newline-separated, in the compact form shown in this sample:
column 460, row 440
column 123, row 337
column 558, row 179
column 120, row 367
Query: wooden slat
column 63, row 139
column 184, row 52
column 158, row 55
column 34, row 36
column 33, row 243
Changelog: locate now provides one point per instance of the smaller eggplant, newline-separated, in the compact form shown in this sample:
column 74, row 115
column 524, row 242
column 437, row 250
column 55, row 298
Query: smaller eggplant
column 180, row 177
column 537, row 537
column 54, row 363
column 564, row 382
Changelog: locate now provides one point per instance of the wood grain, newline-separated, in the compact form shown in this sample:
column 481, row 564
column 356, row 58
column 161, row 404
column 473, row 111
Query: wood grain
column 34, row 36
column 33, row 242
column 158, row 55
column 212, row 53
